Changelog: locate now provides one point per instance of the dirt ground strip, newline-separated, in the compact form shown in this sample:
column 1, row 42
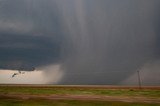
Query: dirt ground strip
column 82, row 97
column 81, row 86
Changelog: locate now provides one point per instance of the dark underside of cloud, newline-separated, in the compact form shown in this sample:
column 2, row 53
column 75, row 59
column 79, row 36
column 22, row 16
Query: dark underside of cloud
column 26, row 51
column 95, row 42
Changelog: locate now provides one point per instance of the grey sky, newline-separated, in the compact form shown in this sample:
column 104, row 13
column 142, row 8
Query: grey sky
column 93, row 41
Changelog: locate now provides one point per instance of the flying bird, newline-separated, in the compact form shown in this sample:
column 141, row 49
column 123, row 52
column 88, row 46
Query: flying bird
column 19, row 72
column 14, row 75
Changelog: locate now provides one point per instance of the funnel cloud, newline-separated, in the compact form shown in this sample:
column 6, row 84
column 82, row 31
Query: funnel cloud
column 91, row 41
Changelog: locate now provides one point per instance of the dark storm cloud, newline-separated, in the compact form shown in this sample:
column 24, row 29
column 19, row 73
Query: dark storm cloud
column 28, row 37
column 27, row 50
column 95, row 42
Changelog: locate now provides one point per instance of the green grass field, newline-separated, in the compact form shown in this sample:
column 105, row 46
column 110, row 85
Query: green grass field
column 68, row 90
column 77, row 90
column 13, row 102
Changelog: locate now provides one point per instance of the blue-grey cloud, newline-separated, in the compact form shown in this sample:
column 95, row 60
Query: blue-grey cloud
column 96, row 42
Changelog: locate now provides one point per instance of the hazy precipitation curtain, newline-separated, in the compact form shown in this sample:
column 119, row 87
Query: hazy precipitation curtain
column 91, row 41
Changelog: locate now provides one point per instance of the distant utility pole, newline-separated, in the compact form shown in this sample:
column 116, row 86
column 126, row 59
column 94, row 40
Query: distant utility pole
column 139, row 79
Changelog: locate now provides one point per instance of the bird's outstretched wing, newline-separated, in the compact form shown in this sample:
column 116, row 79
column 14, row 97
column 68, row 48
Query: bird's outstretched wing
column 19, row 72
column 13, row 75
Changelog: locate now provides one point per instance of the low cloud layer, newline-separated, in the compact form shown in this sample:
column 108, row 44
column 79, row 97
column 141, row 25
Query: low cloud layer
column 93, row 42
